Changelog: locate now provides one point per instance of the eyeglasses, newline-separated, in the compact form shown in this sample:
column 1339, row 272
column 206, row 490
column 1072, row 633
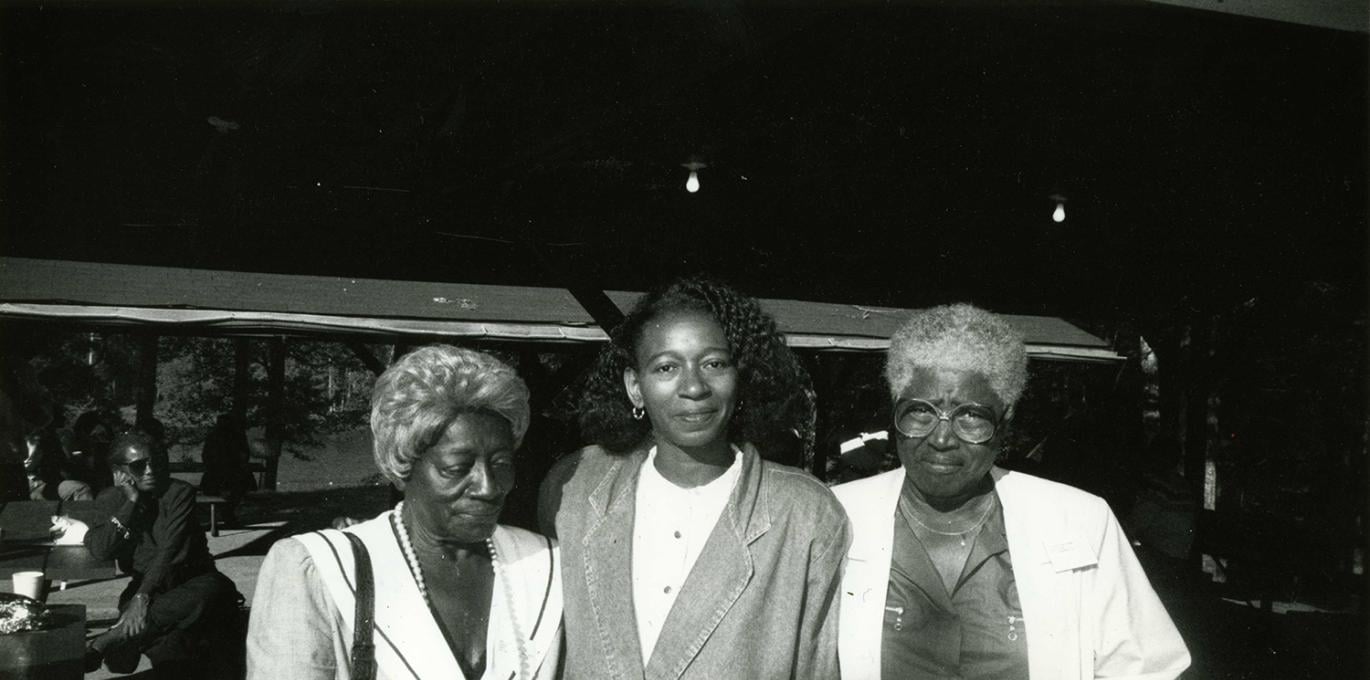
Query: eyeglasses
column 971, row 423
column 138, row 467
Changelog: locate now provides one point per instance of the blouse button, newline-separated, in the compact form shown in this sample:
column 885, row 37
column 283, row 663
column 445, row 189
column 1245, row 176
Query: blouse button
column 677, row 534
column 667, row 590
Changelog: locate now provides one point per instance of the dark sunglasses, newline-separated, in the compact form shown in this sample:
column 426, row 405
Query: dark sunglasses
column 138, row 467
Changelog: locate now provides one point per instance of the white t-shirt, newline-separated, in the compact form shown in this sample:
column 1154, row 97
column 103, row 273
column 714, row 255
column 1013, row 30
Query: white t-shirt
column 670, row 527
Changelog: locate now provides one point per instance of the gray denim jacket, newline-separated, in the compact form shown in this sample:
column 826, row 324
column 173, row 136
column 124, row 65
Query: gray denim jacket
column 761, row 601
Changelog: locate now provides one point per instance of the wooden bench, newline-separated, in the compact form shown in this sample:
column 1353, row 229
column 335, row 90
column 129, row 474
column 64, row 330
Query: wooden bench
column 213, row 503
column 188, row 466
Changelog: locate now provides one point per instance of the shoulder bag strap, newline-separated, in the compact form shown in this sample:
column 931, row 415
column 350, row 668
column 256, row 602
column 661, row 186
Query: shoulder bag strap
column 364, row 622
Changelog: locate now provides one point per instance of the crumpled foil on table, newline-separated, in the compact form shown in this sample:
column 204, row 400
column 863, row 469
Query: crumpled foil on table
column 20, row 612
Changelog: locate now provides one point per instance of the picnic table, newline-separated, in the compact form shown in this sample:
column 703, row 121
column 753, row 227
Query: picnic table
column 27, row 545
column 54, row 653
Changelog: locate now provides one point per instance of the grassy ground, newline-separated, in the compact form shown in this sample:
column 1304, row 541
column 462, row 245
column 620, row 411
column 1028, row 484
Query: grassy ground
column 342, row 460
column 339, row 460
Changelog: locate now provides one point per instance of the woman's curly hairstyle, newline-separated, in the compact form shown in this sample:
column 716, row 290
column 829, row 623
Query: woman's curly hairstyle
column 416, row 399
column 775, row 399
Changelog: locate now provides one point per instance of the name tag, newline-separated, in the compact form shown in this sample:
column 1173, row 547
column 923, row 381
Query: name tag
column 1070, row 555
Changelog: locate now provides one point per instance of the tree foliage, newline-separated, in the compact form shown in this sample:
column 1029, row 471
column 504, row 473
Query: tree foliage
column 326, row 388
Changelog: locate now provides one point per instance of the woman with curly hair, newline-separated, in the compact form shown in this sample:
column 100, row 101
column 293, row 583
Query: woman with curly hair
column 453, row 593
column 686, row 555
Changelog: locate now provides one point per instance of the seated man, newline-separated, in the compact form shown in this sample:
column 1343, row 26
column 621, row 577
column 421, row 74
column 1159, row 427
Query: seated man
column 176, row 600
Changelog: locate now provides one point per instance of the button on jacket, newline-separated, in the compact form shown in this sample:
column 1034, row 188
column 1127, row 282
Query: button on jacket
column 1088, row 609
column 670, row 528
column 761, row 601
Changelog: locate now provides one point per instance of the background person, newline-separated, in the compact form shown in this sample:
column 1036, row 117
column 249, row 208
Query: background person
column 227, row 459
column 686, row 554
column 51, row 474
column 960, row 569
column 177, row 604
column 456, row 595
column 91, row 435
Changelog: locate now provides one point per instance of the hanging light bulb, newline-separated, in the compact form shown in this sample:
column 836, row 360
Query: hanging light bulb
column 1059, row 214
column 692, row 184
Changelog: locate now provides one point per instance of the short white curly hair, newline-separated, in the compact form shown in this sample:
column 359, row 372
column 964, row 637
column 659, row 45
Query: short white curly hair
column 962, row 337
column 416, row 399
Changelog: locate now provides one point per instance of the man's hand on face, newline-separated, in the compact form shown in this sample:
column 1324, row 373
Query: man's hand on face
column 125, row 482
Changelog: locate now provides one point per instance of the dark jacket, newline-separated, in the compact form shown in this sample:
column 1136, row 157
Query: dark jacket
column 164, row 545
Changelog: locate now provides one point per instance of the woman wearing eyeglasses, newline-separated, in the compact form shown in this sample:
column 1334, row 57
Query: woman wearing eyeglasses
column 960, row 569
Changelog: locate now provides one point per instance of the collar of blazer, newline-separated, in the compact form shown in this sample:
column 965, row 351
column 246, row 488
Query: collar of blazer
column 748, row 510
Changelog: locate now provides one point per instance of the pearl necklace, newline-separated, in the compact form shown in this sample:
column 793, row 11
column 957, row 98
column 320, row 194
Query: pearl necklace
column 411, row 559
column 989, row 507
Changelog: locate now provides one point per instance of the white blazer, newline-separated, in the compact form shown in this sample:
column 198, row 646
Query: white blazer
column 303, row 608
column 1088, row 609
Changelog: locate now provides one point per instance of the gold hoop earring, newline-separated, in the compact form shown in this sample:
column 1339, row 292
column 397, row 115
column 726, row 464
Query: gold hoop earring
column 638, row 412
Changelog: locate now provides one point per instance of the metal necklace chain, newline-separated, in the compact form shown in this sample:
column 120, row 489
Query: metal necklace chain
column 989, row 507
column 412, row 561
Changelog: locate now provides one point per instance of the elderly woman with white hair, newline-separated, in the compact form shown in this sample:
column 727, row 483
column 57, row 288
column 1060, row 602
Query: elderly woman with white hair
column 434, row 588
column 960, row 569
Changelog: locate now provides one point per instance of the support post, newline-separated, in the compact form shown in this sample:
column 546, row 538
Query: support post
column 606, row 314
column 242, row 379
column 1197, row 463
column 147, row 377
column 275, row 413
column 827, row 372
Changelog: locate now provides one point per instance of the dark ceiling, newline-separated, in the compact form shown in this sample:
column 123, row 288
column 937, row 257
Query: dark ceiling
column 885, row 153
